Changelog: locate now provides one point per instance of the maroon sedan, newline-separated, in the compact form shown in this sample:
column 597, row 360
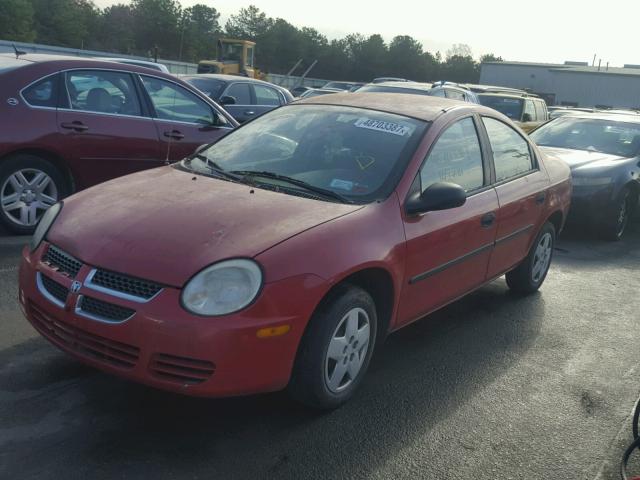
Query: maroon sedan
column 283, row 254
column 73, row 123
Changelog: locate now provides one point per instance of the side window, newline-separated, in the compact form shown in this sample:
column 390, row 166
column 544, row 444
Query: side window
column 241, row 92
column 540, row 111
column 172, row 102
column 530, row 110
column 43, row 93
column 266, row 95
column 437, row 92
column 455, row 95
column 456, row 157
column 511, row 153
column 102, row 91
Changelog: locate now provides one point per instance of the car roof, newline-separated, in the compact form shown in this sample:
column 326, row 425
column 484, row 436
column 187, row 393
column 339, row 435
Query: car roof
column 508, row 95
column 424, row 108
column 617, row 117
column 411, row 85
column 227, row 78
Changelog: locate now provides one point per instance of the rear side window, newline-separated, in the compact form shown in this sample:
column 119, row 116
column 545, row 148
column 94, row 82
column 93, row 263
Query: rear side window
column 529, row 110
column 511, row 154
column 456, row 157
column 102, row 92
column 455, row 95
column 437, row 92
column 241, row 92
column 540, row 111
column 43, row 93
column 266, row 95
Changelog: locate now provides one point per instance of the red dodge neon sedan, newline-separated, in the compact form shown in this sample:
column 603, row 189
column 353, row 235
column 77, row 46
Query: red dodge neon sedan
column 283, row 254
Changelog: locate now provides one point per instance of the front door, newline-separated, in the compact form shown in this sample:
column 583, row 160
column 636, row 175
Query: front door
column 103, row 129
column 520, row 186
column 183, row 120
column 448, row 251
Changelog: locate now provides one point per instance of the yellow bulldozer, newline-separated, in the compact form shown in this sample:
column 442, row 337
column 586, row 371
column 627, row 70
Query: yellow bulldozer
column 235, row 57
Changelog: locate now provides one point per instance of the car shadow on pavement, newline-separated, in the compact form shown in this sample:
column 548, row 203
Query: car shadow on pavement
column 98, row 426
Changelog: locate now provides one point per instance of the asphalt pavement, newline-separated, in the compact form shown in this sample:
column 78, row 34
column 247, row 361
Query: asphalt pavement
column 495, row 386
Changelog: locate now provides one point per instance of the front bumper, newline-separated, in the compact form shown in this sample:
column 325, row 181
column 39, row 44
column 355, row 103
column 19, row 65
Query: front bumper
column 590, row 205
column 164, row 346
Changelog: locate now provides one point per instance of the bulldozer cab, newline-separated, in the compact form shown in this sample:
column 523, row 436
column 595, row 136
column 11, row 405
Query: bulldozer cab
column 235, row 57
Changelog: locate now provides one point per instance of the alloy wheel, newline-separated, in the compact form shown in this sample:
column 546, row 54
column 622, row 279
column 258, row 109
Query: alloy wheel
column 26, row 195
column 542, row 257
column 623, row 216
column 347, row 350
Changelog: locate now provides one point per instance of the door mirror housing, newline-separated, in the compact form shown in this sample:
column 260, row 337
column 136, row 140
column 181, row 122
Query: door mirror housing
column 438, row 196
column 201, row 148
column 228, row 100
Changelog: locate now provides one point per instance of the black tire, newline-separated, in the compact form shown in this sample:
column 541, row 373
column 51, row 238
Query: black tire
column 11, row 165
column 522, row 279
column 620, row 214
column 308, row 384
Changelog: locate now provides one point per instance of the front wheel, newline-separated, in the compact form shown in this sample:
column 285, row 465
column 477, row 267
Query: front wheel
column 615, row 226
column 530, row 274
column 335, row 350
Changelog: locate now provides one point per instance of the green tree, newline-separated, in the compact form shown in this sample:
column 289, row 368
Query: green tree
column 248, row 24
column 117, row 29
column 156, row 25
column 490, row 57
column 67, row 23
column 459, row 50
column 404, row 58
column 16, row 21
column 280, row 47
column 461, row 69
column 200, row 28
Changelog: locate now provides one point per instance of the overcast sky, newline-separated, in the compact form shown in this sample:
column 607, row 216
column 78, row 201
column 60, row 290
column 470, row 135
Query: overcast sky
column 531, row 30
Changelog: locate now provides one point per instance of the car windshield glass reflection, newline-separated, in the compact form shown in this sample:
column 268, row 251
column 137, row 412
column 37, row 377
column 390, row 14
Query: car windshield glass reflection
column 607, row 136
column 353, row 152
column 511, row 107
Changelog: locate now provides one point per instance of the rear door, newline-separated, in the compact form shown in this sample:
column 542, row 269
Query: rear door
column 266, row 98
column 104, row 128
column 244, row 107
column 183, row 120
column 448, row 251
column 521, row 188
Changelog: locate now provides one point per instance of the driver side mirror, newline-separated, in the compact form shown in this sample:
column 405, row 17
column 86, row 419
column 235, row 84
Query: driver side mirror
column 228, row 100
column 438, row 196
column 527, row 117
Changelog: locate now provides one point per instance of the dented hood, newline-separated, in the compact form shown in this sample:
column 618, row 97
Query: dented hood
column 165, row 224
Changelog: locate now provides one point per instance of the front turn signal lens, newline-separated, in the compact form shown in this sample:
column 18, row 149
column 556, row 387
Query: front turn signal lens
column 273, row 331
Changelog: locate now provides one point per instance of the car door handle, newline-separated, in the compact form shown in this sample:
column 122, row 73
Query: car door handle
column 175, row 134
column 76, row 125
column 487, row 219
column 249, row 112
column 540, row 198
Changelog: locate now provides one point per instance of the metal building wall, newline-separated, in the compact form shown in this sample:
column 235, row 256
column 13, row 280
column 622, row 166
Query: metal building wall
column 538, row 78
column 591, row 89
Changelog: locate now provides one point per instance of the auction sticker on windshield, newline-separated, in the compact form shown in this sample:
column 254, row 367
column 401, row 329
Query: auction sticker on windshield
column 382, row 126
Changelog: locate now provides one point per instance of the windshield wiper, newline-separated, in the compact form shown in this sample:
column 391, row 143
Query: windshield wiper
column 217, row 169
column 294, row 181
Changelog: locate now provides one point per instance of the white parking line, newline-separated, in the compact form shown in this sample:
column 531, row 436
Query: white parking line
column 7, row 270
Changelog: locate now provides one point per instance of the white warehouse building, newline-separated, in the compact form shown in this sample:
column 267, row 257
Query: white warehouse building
column 573, row 83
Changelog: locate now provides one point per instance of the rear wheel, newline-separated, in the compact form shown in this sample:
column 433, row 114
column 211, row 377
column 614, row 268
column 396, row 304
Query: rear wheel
column 29, row 185
column 335, row 350
column 531, row 273
column 616, row 225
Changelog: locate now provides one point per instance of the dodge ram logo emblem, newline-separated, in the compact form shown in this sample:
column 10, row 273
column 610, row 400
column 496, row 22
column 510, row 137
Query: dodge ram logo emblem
column 75, row 287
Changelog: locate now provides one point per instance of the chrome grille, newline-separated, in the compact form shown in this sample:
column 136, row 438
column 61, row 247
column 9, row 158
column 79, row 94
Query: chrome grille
column 125, row 284
column 104, row 311
column 53, row 288
column 62, row 261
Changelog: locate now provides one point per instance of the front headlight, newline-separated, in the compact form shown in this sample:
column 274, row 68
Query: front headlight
column 45, row 224
column 591, row 181
column 223, row 288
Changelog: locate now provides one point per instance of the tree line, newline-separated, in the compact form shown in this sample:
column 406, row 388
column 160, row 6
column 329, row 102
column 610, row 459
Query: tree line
column 165, row 28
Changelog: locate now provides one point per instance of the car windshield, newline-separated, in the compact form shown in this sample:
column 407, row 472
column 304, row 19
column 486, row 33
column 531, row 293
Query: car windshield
column 607, row 136
column 316, row 93
column 355, row 153
column 339, row 85
column 509, row 106
column 211, row 87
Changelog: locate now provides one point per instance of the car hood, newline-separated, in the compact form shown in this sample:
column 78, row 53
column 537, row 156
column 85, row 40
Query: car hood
column 580, row 158
column 165, row 224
